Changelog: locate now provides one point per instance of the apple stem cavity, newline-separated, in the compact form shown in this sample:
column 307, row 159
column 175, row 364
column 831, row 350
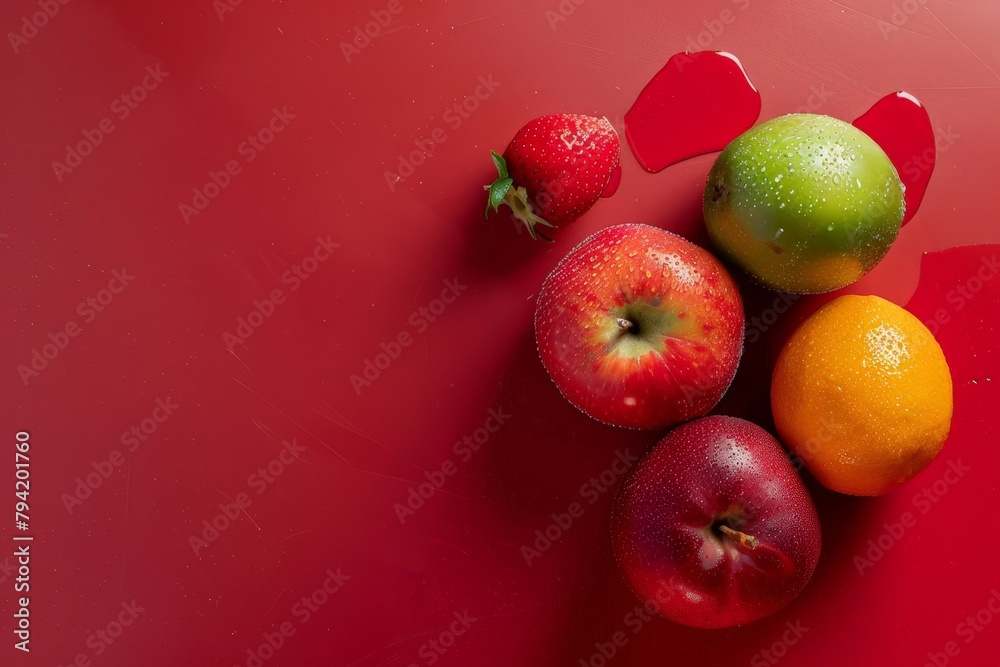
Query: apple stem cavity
column 743, row 539
column 626, row 325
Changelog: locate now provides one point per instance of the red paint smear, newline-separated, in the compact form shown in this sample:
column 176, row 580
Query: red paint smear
column 900, row 125
column 696, row 104
column 616, row 180
column 958, row 298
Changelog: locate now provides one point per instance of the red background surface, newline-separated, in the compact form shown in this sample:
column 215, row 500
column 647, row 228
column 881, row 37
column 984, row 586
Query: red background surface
column 162, row 337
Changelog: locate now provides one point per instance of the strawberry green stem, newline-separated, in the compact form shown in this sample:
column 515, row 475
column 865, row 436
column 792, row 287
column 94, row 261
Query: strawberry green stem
column 517, row 200
column 503, row 191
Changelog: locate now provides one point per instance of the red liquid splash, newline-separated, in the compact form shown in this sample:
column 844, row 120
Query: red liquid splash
column 616, row 180
column 696, row 104
column 900, row 125
column 968, row 340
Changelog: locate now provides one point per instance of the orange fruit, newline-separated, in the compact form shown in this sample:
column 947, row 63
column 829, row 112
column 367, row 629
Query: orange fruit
column 862, row 394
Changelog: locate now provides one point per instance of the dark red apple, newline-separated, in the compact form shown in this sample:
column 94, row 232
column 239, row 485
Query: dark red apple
column 639, row 327
column 713, row 525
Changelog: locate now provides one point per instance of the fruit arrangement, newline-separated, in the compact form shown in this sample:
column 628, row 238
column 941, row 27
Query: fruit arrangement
column 640, row 328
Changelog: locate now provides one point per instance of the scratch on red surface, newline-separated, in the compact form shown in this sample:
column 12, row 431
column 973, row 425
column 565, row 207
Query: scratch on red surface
column 263, row 429
column 481, row 18
column 240, row 506
column 404, row 640
column 417, row 293
column 331, row 121
column 965, row 330
column 239, row 360
column 878, row 20
column 236, row 259
column 274, row 437
column 277, row 257
column 351, row 428
column 276, row 599
column 964, row 45
column 406, row 481
column 301, row 532
column 304, row 429
column 389, row 32
column 817, row 73
column 340, row 456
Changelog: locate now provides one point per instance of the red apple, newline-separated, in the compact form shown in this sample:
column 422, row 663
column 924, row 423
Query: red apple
column 713, row 525
column 640, row 328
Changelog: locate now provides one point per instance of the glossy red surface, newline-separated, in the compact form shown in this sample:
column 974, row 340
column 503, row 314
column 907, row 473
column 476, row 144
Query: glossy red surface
column 900, row 124
column 614, row 183
column 363, row 145
column 696, row 104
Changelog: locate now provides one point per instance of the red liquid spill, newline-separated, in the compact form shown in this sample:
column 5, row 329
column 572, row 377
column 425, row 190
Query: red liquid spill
column 696, row 104
column 616, row 180
column 968, row 339
column 900, row 125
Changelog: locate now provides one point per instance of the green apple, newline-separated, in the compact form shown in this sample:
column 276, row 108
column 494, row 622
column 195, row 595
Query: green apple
column 804, row 203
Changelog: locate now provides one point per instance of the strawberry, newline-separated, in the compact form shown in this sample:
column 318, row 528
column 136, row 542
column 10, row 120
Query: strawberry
column 555, row 168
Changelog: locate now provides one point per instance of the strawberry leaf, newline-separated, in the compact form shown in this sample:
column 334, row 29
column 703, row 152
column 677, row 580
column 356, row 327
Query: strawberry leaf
column 501, row 165
column 498, row 191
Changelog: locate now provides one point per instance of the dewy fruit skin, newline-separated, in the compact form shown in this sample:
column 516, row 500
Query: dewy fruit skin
column 862, row 393
column 555, row 169
column 639, row 327
column 714, row 525
column 804, row 203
